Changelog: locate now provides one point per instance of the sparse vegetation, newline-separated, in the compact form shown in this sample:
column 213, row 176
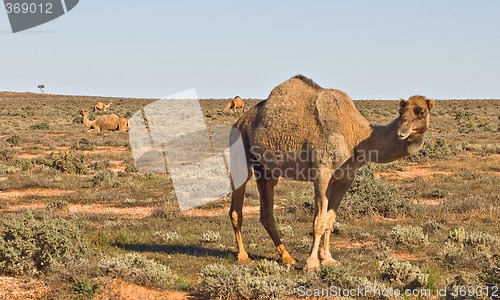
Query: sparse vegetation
column 133, row 230
column 403, row 273
column 408, row 235
column 373, row 196
column 40, row 126
column 29, row 243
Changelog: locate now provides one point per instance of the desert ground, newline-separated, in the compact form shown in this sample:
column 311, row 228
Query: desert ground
column 79, row 221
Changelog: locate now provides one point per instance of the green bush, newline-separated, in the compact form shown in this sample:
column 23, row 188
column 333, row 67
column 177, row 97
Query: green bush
column 103, row 178
column 31, row 243
column 467, row 126
column 85, row 288
column 471, row 238
column 40, row 126
column 408, row 235
column 57, row 205
column 6, row 153
column 432, row 226
column 138, row 269
column 14, row 140
column 210, row 236
column 83, row 144
column 69, row 162
column 403, row 273
column 460, row 257
column 334, row 276
column 432, row 149
column 373, row 196
column 263, row 280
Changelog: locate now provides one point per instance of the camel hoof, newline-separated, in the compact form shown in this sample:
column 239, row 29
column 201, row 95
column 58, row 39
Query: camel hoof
column 330, row 262
column 312, row 265
column 243, row 258
column 288, row 260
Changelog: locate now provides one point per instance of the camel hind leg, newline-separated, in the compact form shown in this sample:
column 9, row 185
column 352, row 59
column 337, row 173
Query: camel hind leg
column 236, row 216
column 266, row 192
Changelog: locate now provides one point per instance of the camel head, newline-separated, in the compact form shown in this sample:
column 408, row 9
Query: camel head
column 84, row 111
column 414, row 116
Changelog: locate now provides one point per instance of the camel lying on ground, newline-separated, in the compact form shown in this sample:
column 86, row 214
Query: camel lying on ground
column 235, row 103
column 102, row 106
column 307, row 133
column 105, row 122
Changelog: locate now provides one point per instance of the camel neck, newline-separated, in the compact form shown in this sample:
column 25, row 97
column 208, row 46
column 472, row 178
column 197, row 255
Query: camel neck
column 86, row 120
column 383, row 145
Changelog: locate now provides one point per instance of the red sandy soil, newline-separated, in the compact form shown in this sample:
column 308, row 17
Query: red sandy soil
column 12, row 288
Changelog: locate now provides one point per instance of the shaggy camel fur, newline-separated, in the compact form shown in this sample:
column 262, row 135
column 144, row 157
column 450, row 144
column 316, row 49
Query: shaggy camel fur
column 106, row 122
column 308, row 133
column 237, row 102
column 102, row 106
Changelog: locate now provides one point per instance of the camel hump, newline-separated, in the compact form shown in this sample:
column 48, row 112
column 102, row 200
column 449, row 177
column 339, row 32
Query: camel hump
column 307, row 81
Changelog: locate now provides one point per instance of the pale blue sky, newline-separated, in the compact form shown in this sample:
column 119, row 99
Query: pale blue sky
column 369, row 49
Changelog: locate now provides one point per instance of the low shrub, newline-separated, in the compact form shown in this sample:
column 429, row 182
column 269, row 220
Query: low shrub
column 14, row 140
column 369, row 195
column 332, row 276
column 83, row 144
column 103, row 178
column 403, row 273
column 30, row 243
column 85, row 288
column 408, row 235
column 40, row 126
column 68, row 162
column 434, row 149
column 471, row 238
column 432, row 226
column 6, row 153
column 262, row 280
column 210, row 237
column 138, row 269
column 460, row 257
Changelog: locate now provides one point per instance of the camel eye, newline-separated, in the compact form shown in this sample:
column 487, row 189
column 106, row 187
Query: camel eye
column 421, row 113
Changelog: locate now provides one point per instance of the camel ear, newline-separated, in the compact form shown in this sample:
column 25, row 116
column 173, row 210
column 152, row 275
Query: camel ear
column 430, row 103
column 401, row 102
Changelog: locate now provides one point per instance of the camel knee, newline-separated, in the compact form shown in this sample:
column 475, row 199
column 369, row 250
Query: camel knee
column 235, row 218
column 266, row 220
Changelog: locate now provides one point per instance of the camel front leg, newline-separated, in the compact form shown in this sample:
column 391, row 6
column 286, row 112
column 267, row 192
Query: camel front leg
column 321, row 217
column 338, row 186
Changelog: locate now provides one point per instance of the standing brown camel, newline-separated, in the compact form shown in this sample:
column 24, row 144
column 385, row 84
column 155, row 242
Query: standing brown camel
column 102, row 106
column 235, row 103
column 308, row 133
column 106, row 122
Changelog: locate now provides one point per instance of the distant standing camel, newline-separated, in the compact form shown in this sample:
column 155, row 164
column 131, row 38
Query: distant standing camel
column 235, row 103
column 307, row 133
column 102, row 106
column 106, row 122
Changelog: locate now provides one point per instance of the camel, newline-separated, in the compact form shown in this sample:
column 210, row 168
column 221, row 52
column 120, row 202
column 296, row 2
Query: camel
column 106, row 122
column 235, row 103
column 308, row 133
column 102, row 106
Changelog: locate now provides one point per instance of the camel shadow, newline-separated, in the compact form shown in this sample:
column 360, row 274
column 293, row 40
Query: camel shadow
column 189, row 249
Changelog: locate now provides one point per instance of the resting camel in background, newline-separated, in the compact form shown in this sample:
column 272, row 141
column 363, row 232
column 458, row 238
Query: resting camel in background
column 102, row 106
column 235, row 103
column 105, row 122
column 307, row 133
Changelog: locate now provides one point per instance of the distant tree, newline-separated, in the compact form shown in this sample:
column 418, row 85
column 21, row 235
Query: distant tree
column 41, row 87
